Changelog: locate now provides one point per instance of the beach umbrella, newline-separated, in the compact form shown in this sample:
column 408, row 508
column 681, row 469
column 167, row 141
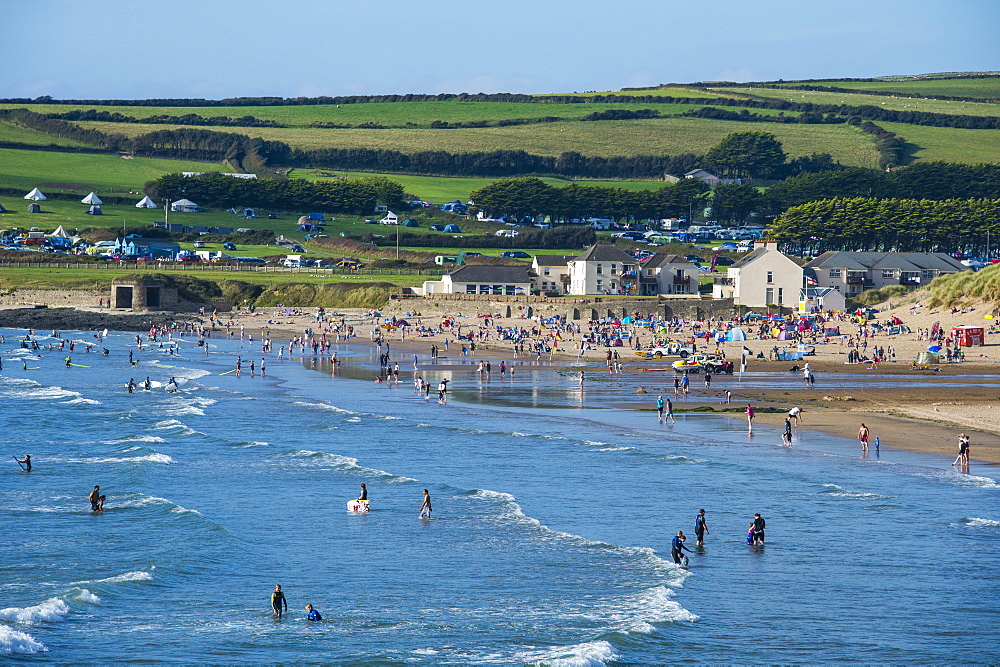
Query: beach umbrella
column 934, row 348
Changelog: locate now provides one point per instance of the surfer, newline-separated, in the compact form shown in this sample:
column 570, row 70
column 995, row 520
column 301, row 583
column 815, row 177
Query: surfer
column 95, row 499
column 278, row 599
column 312, row 614
column 425, row 508
column 69, row 362
column 364, row 493
column 172, row 385
column 677, row 547
column 131, row 385
column 26, row 462
column 700, row 528
column 147, row 385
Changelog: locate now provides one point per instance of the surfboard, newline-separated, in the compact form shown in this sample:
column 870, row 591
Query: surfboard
column 79, row 366
column 358, row 506
column 228, row 372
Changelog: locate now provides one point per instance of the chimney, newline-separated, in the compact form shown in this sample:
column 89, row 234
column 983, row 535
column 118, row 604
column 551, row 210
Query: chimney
column 767, row 244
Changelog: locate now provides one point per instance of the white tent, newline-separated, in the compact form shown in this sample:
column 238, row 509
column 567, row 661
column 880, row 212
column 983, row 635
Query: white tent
column 184, row 206
column 92, row 199
column 60, row 233
column 145, row 202
column 35, row 195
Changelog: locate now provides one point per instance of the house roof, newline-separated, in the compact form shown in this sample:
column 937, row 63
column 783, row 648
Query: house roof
column 696, row 172
column 552, row 260
column 183, row 202
column 484, row 273
column 603, row 252
column 748, row 258
column 157, row 243
column 903, row 261
column 819, row 292
column 660, row 261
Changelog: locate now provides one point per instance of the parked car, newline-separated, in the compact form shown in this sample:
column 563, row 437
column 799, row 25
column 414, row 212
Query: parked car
column 228, row 246
column 199, row 244
column 518, row 254
column 437, row 228
column 473, row 254
column 693, row 258
column 189, row 258
column 272, row 216
column 698, row 363
column 724, row 261
column 674, row 348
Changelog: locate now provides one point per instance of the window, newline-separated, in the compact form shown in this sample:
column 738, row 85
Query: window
column 484, row 289
column 600, row 269
column 834, row 273
column 470, row 289
column 614, row 269
column 781, row 295
column 888, row 273
column 546, row 271
column 600, row 285
column 770, row 278
column 649, row 272
column 927, row 275
column 769, row 295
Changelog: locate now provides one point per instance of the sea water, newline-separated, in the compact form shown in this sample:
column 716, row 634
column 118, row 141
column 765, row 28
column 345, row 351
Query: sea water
column 550, row 536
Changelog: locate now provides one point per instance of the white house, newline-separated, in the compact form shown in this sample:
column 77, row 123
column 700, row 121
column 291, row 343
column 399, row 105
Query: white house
column 708, row 177
column 667, row 274
column 482, row 279
column 603, row 269
column 390, row 219
column 812, row 299
column 762, row 278
column 551, row 273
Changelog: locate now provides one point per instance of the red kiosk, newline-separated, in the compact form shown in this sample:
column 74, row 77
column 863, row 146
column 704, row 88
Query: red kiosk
column 968, row 336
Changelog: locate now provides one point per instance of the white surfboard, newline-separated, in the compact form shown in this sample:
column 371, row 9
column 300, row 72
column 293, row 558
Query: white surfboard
column 358, row 506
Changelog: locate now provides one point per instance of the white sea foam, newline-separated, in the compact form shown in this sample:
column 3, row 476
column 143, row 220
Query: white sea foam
column 251, row 443
column 137, row 575
column 637, row 613
column 83, row 595
column 839, row 492
column 15, row 641
column 154, row 457
column 355, row 420
column 173, row 425
column 324, row 406
column 44, row 393
column 53, row 609
column 82, row 401
column 348, row 464
column 976, row 522
column 581, row 655
column 135, row 438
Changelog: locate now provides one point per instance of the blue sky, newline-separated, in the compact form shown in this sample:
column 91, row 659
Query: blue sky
column 288, row 48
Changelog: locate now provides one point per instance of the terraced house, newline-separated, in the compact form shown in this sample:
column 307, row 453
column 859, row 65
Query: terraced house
column 603, row 269
column 852, row 273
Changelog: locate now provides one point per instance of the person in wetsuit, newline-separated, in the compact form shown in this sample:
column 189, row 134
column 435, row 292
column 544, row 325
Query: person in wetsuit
column 700, row 528
column 364, row 493
column 277, row 600
column 312, row 614
column 758, row 529
column 26, row 462
column 677, row 547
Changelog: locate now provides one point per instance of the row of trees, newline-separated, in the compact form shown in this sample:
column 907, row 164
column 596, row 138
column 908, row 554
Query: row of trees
column 558, row 238
column 357, row 196
column 531, row 196
column 163, row 119
column 913, row 225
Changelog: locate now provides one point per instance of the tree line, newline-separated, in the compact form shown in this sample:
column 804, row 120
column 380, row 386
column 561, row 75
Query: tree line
column 891, row 225
column 558, row 238
column 356, row 196
column 163, row 119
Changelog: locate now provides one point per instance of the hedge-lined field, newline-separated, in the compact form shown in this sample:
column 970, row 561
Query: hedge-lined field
column 982, row 88
column 885, row 101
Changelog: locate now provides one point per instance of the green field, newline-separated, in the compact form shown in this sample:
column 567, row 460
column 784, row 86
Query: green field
column 670, row 136
column 948, row 143
column 102, row 173
column 20, row 135
column 985, row 88
column 389, row 114
column 442, row 189
column 668, row 91
column 888, row 102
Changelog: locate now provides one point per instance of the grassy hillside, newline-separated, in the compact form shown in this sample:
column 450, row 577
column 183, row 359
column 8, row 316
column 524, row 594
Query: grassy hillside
column 669, row 136
column 105, row 173
column 439, row 189
column 887, row 102
column 947, row 143
column 20, row 135
column 984, row 88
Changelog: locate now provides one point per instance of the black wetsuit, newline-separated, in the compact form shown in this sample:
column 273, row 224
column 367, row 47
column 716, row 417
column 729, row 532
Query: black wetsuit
column 758, row 529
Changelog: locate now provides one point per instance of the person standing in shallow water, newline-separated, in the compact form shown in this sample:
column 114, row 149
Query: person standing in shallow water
column 425, row 508
column 700, row 528
column 277, row 600
column 750, row 416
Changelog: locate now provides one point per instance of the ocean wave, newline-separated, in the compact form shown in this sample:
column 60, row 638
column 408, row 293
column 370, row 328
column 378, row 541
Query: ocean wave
column 581, row 655
column 325, row 406
column 82, row 401
column 976, row 522
column 52, row 610
column 43, row 393
column 173, row 425
column 137, row 575
column 974, row 481
column 511, row 511
column 83, row 595
column 15, row 641
column 250, row 443
column 637, row 613
column 152, row 457
column 152, row 439
column 839, row 492
column 147, row 501
column 347, row 464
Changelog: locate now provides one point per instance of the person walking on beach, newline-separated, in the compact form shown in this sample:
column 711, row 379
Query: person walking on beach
column 708, row 381
column 758, row 529
column 750, row 415
column 659, row 409
column 677, row 548
column 686, row 383
column 700, row 528
column 277, row 600
column 863, row 434
column 425, row 507
column 670, row 412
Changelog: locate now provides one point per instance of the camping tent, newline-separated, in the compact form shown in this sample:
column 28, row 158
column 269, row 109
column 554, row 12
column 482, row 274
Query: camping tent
column 94, row 210
column 34, row 208
column 92, row 199
column 2, row 209
column 410, row 222
column 145, row 202
column 35, row 195
column 60, row 233
column 184, row 206
column 736, row 334
column 452, row 229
